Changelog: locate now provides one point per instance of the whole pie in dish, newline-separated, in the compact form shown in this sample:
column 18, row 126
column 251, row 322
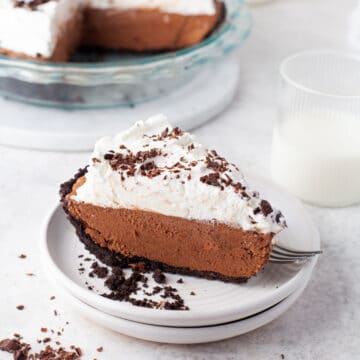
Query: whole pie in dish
column 153, row 194
column 52, row 29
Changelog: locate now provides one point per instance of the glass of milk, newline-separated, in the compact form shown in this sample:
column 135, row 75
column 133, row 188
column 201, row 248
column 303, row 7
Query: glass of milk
column 316, row 140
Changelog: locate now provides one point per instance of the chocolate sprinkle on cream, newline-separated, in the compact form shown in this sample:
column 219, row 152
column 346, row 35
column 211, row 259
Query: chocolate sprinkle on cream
column 128, row 164
column 31, row 5
column 266, row 207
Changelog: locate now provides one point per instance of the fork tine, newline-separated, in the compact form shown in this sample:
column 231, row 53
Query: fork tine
column 284, row 261
column 283, row 258
column 297, row 252
column 290, row 255
column 281, row 262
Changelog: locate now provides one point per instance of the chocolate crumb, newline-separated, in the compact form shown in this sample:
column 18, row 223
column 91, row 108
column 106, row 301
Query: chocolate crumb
column 20, row 307
column 52, row 298
column 10, row 345
column 180, row 281
column 99, row 271
column 22, row 256
column 159, row 276
column 192, row 293
column 22, row 351
column 44, row 329
column 122, row 288
column 100, row 349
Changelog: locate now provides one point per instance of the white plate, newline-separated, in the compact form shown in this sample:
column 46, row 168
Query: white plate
column 215, row 302
column 183, row 335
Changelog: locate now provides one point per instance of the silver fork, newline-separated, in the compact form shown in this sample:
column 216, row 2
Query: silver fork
column 283, row 255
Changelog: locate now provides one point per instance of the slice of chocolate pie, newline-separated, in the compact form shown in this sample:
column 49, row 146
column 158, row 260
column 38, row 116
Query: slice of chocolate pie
column 153, row 194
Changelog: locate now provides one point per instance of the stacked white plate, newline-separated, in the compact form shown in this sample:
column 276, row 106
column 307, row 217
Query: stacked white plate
column 217, row 310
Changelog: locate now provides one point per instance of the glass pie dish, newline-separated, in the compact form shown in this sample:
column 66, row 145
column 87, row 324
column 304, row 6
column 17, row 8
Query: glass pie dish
column 104, row 79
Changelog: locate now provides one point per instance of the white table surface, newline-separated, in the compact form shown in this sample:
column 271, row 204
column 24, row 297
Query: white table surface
column 323, row 324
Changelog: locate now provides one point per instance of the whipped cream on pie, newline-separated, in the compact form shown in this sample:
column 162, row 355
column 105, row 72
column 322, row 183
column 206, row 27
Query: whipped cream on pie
column 183, row 7
column 32, row 29
column 155, row 167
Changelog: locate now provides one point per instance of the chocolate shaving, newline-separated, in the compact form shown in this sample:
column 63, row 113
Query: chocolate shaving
column 166, row 134
column 128, row 164
column 212, row 179
column 31, row 5
column 266, row 207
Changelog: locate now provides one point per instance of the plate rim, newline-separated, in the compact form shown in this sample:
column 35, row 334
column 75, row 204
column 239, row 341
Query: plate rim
column 173, row 318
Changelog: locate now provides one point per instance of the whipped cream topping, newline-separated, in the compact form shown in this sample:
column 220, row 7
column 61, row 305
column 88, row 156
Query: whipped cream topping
column 33, row 31
column 155, row 167
column 32, row 27
column 183, row 7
